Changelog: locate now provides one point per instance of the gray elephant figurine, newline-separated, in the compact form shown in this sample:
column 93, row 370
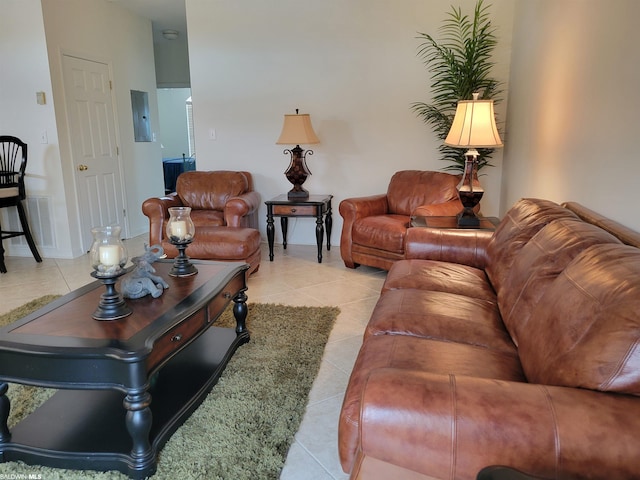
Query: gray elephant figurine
column 142, row 281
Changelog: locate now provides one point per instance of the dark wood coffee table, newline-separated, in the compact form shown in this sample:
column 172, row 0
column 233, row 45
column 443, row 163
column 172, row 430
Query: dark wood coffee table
column 125, row 385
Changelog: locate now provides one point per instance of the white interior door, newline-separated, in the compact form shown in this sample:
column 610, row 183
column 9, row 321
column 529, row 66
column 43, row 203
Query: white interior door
column 93, row 145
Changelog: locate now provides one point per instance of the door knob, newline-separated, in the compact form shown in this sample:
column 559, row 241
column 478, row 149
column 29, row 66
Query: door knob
column 82, row 168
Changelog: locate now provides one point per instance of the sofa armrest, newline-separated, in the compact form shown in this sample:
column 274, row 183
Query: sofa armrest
column 351, row 210
column 453, row 426
column 240, row 206
column 468, row 247
column 157, row 210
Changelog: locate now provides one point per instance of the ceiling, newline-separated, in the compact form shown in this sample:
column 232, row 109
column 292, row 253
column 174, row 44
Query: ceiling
column 164, row 15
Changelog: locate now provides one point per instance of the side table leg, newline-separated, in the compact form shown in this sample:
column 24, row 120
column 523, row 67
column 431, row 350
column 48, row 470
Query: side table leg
column 138, row 421
column 5, row 406
column 270, row 233
column 328, row 220
column 240, row 311
column 319, row 235
column 284, row 223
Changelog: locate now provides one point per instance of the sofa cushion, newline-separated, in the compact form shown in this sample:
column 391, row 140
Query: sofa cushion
column 384, row 232
column 538, row 264
column 518, row 226
column 442, row 316
column 207, row 218
column 409, row 189
column 220, row 243
column 587, row 324
column 414, row 354
column 210, row 190
column 439, row 276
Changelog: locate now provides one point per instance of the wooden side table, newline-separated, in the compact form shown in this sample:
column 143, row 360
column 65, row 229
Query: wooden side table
column 318, row 206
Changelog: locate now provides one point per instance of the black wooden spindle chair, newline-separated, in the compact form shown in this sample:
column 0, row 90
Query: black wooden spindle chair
column 13, row 162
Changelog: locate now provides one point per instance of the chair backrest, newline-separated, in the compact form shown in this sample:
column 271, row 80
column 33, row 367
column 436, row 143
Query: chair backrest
column 13, row 162
column 409, row 189
column 210, row 190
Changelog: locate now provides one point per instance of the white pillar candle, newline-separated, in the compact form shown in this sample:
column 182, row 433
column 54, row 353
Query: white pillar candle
column 109, row 255
column 179, row 229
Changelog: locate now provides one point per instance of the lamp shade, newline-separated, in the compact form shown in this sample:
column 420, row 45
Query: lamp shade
column 474, row 125
column 297, row 130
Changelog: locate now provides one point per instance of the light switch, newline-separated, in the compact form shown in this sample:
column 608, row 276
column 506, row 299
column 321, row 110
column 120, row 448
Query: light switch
column 43, row 137
column 41, row 98
column 212, row 134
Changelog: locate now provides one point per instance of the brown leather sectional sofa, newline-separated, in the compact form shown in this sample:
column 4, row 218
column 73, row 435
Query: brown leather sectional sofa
column 519, row 348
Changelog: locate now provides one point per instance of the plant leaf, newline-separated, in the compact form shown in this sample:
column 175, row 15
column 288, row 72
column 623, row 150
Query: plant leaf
column 459, row 64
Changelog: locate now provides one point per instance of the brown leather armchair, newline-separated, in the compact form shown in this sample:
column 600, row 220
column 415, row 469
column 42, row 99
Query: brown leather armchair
column 374, row 227
column 217, row 199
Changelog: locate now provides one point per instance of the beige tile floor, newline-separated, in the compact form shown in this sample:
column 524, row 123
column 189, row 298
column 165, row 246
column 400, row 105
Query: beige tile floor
column 293, row 278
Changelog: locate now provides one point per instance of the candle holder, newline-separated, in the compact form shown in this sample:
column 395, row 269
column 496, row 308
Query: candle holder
column 108, row 258
column 180, row 231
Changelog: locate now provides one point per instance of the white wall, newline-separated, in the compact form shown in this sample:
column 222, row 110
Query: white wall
column 100, row 30
column 351, row 64
column 573, row 103
column 573, row 89
column 25, row 71
column 33, row 36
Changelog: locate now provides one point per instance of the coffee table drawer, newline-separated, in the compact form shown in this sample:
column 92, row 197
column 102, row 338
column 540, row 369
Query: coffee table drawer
column 180, row 335
column 220, row 301
column 176, row 338
column 311, row 210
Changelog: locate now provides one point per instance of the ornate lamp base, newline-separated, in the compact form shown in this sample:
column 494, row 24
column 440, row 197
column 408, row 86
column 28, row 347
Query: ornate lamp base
column 182, row 267
column 297, row 172
column 468, row 218
column 112, row 306
column 470, row 192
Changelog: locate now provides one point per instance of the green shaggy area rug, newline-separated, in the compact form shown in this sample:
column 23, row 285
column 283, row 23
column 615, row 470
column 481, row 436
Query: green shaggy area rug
column 245, row 426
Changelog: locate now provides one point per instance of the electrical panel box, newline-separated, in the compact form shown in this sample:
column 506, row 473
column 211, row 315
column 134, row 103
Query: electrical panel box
column 141, row 122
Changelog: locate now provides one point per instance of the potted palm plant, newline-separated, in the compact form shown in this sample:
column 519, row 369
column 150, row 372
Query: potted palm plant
column 460, row 65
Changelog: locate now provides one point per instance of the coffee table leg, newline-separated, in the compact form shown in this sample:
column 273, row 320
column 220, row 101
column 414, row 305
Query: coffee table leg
column 5, row 405
column 138, row 422
column 240, row 311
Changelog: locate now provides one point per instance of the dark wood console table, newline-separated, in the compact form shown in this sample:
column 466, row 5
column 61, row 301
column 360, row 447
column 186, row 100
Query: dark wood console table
column 318, row 206
column 126, row 385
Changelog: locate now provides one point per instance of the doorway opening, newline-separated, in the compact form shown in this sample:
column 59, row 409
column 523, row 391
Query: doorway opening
column 176, row 125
